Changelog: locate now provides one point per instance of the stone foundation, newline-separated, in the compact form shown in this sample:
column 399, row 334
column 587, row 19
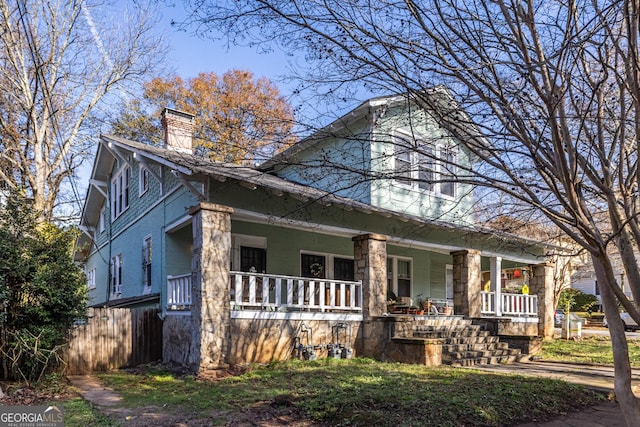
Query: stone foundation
column 269, row 340
column 527, row 345
column 418, row 351
column 504, row 326
column 176, row 339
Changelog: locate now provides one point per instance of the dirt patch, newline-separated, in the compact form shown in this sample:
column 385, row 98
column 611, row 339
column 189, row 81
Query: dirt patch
column 279, row 412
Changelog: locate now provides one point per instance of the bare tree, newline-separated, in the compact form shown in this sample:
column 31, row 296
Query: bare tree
column 553, row 88
column 60, row 60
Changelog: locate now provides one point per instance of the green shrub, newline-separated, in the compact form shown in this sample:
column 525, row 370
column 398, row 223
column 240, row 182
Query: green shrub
column 576, row 300
column 42, row 291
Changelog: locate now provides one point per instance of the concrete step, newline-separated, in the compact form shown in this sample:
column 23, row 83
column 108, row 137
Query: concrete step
column 447, row 327
column 452, row 348
column 481, row 339
column 441, row 321
column 464, row 333
column 458, row 355
column 473, row 361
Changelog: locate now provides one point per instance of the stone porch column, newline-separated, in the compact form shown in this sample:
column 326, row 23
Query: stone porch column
column 467, row 282
column 210, row 312
column 541, row 284
column 370, row 256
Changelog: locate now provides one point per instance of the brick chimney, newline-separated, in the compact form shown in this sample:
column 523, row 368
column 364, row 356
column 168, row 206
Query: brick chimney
column 178, row 130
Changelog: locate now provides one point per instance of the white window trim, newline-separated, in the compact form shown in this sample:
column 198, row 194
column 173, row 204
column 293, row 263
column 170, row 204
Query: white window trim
column 141, row 188
column 117, row 189
column 147, row 251
column 414, row 156
column 91, row 278
column 238, row 240
column 328, row 258
column 115, row 283
column 448, row 282
column 394, row 273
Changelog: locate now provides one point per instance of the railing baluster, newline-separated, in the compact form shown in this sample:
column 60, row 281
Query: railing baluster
column 332, row 294
column 312, row 293
column 238, row 284
column 352, row 294
column 278, row 292
column 265, row 290
column 252, row 289
column 300, row 292
column 289, row 291
column 323, row 290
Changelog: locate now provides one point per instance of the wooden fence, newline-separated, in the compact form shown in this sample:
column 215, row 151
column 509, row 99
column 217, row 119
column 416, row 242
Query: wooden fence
column 114, row 338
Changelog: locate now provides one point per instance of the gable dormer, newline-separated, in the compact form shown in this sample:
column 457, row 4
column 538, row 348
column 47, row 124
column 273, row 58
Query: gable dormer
column 388, row 153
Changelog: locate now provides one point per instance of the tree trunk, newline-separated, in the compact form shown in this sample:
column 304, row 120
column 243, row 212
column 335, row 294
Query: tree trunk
column 629, row 404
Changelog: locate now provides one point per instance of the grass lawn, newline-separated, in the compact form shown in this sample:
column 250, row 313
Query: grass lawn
column 592, row 349
column 79, row 413
column 358, row 392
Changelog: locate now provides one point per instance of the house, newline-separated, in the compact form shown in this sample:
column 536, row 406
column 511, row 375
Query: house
column 584, row 279
column 303, row 252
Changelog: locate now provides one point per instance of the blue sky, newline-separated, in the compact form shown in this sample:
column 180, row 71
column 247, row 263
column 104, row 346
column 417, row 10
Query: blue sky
column 190, row 54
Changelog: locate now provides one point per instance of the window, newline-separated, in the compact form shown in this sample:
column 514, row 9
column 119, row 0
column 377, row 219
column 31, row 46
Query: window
column 448, row 280
column 430, row 166
column 91, row 279
column 143, row 180
column 116, row 274
column 447, row 172
column 249, row 253
column 146, row 261
column 597, row 290
column 399, row 276
column 120, row 192
column 426, row 168
column 313, row 266
column 343, row 269
column 402, row 160
column 253, row 260
column 327, row 266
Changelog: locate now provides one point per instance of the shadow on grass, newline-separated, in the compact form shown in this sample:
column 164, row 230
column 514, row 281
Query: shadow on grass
column 360, row 392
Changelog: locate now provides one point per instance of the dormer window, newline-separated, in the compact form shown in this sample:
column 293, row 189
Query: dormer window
column 428, row 166
column 402, row 151
column 447, row 171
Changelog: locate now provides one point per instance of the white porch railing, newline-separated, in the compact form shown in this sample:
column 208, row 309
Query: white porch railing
column 510, row 304
column 287, row 293
column 179, row 292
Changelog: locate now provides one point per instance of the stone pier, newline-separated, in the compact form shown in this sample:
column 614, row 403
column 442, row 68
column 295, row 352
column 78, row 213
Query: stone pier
column 210, row 313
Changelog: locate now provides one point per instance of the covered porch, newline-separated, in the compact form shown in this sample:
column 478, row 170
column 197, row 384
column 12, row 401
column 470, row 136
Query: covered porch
column 223, row 307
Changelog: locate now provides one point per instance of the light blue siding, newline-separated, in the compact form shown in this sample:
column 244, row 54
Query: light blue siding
column 358, row 163
column 337, row 164
column 147, row 215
